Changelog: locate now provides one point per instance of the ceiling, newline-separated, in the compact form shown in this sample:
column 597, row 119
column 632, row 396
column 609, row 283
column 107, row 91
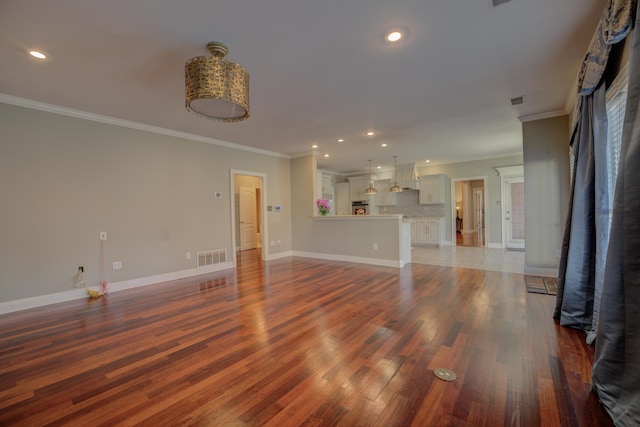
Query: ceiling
column 320, row 70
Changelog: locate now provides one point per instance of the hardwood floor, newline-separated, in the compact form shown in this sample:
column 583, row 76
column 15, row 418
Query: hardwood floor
column 301, row 342
column 470, row 239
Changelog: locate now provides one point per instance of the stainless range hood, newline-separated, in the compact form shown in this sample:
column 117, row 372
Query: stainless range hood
column 408, row 177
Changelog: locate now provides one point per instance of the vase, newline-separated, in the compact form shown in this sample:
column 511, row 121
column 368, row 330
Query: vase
column 323, row 213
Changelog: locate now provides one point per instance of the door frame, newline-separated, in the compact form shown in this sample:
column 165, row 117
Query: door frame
column 506, row 173
column 487, row 214
column 263, row 209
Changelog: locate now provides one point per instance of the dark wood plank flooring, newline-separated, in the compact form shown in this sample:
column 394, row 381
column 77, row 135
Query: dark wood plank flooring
column 300, row 342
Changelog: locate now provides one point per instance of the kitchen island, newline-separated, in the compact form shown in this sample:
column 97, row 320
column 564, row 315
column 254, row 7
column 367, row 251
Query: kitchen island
column 368, row 239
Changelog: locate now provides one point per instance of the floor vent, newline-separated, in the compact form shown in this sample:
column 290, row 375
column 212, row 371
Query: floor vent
column 212, row 257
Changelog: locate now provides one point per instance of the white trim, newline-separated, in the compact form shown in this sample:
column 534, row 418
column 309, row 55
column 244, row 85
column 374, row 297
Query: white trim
column 50, row 108
column 347, row 258
column 263, row 211
column 42, row 300
column 542, row 116
column 539, row 271
column 506, row 172
column 278, row 255
column 494, row 245
column 487, row 214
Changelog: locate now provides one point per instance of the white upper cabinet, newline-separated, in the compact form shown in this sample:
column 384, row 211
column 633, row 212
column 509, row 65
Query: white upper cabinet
column 432, row 189
column 357, row 187
column 384, row 197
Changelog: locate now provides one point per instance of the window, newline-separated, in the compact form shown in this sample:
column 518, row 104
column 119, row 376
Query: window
column 616, row 101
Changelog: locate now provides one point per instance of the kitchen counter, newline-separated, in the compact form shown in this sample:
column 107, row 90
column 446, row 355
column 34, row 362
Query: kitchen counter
column 370, row 239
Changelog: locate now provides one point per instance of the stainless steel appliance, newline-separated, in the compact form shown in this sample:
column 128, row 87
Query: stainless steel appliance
column 359, row 207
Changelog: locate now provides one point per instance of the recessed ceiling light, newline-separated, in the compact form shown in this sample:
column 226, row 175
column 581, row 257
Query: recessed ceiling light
column 383, row 145
column 314, row 146
column 341, row 140
column 427, row 161
column 394, row 36
column 379, row 167
column 326, row 155
column 37, row 54
column 371, row 133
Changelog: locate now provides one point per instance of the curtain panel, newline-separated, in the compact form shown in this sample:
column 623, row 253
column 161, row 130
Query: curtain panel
column 598, row 285
column 616, row 368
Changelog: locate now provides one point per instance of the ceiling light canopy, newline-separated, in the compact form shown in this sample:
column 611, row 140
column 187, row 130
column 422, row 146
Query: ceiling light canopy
column 215, row 88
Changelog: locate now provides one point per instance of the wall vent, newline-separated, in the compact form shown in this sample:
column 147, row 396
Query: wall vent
column 212, row 257
column 495, row 3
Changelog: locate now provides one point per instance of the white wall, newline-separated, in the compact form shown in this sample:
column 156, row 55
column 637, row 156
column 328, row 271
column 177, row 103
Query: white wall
column 65, row 179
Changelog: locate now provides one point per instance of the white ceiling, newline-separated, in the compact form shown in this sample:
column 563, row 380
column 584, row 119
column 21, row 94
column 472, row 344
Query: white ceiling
column 320, row 70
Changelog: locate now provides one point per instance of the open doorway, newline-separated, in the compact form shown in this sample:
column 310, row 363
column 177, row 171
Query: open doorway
column 469, row 211
column 248, row 215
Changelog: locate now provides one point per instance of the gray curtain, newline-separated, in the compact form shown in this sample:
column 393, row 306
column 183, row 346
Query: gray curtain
column 582, row 261
column 577, row 272
column 616, row 369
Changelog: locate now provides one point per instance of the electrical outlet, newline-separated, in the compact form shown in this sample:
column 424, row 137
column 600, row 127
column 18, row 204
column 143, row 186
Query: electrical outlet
column 103, row 235
column 273, row 243
column 188, row 255
column 375, row 246
column 558, row 253
column 278, row 242
column 117, row 265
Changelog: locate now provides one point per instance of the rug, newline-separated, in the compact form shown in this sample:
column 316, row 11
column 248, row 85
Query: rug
column 540, row 285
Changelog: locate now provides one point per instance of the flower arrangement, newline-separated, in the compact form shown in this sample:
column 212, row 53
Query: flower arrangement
column 323, row 206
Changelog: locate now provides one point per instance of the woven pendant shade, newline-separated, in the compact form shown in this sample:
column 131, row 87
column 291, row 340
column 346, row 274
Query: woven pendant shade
column 215, row 88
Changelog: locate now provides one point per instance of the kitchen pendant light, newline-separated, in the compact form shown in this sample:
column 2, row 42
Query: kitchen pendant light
column 395, row 188
column 370, row 189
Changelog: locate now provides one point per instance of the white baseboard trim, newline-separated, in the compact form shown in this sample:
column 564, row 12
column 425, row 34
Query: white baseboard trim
column 42, row 300
column 494, row 246
column 347, row 258
column 447, row 243
column 270, row 257
column 539, row 271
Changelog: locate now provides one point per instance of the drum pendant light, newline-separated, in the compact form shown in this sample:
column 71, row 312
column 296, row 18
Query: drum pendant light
column 215, row 88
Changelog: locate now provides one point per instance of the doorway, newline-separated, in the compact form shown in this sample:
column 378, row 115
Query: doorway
column 469, row 208
column 513, row 220
column 248, row 229
column 514, row 212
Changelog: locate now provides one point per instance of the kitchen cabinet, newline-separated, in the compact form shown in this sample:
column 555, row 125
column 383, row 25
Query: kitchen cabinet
column 343, row 199
column 427, row 231
column 384, row 196
column 357, row 188
column 432, row 189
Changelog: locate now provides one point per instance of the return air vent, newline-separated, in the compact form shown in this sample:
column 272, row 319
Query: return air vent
column 212, row 257
column 495, row 3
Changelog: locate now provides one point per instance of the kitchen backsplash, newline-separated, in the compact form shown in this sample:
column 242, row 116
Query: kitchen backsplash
column 408, row 205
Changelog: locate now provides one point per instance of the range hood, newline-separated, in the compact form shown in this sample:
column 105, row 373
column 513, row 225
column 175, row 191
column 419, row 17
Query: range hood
column 408, row 177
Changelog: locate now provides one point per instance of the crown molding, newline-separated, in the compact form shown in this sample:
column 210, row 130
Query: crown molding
column 542, row 116
column 64, row 111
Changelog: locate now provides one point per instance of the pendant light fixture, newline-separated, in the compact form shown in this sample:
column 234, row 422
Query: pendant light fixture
column 215, row 88
column 395, row 188
column 370, row 189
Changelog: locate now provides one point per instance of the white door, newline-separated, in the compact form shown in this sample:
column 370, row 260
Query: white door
column 514, row 212
column 478, row 214
column 248, row 218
